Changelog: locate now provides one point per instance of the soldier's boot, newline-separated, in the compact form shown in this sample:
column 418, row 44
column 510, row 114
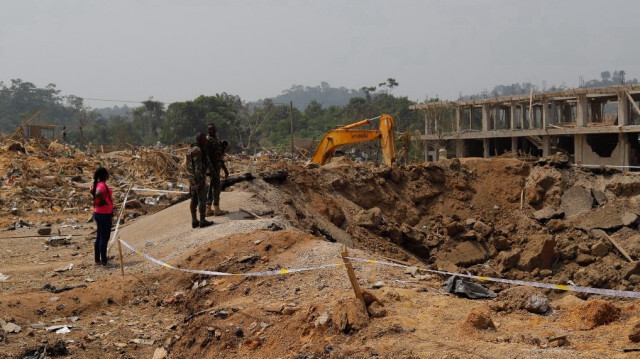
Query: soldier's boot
column 203, row 222
column 194, row 220
column 210, row 212
column 218, row 212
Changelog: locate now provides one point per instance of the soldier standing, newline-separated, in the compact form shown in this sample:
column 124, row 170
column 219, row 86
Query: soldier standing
column 215, row 152
column 196, row 169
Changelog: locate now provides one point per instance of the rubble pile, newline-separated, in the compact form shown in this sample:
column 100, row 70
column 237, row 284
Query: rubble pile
column 42, row 179
column 499, row 218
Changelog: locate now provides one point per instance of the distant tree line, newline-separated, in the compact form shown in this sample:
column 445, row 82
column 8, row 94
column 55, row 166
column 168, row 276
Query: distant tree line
column 247, row 125
column 515, row 89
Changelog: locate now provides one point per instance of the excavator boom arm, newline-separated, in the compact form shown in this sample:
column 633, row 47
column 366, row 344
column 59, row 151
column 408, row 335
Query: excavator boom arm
column 348, row 135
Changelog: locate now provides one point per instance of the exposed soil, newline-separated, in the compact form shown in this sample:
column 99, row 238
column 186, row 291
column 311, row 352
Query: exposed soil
column 460, row 216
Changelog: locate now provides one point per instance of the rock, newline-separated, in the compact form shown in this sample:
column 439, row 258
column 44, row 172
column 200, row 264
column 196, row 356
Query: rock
column 599, row 196
column 500, row 243
column 517, row 298
column 568, row 252
column 44, row 231
column 480, row 318
column 349, row 315
column 545, row 273
column 132, row 203
column 631, row 268
column 576, row 200
column 584, row 259
column 322, row 320
column 469, row 236
column 482, row 228
column 10, row 327
column 547, row 213
column 599, row 249
column 538, row 253
column 468, row 253
column 160, row 353
column 506, row 260
column 57, row 241
column 370, row 218
column 556, row 225
column 376, row 310
column 469, row 222
column 634, row 333
column 454, row 228
column 629, row 219
column 377, row 285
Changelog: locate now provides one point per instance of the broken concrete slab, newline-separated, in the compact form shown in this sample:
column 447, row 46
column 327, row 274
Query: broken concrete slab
column 608, row 217
column 468, row 253
column 548, row 213
column 629, row 219
column 599, row 196
column 576, row 200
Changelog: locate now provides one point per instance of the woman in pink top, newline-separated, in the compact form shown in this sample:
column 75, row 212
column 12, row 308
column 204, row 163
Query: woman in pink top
column 102, row 213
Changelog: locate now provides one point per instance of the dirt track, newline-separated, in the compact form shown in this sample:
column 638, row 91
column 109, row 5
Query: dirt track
column 422, row 218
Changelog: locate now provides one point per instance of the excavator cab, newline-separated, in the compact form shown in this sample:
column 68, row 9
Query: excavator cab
column 351, row 134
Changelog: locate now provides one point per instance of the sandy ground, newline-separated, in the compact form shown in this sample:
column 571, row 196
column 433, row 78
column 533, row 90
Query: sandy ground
column 154, row 309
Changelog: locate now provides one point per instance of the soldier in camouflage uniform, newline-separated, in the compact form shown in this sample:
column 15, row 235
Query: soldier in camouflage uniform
column 215, row 152
column 196, row 169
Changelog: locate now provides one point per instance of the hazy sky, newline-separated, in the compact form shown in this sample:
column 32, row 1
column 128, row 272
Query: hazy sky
column 177, row 50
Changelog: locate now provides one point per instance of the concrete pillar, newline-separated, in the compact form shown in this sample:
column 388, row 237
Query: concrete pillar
column 514, row 146
column 545, row 113
column 578, row 144
column 458, row 129
column 426, row 151
column 523, row 116
column 485, row 118
column 436, row 153
column 459, row 148
column 623, row 142
column 553, row 113
column 512, row 118
column 485, row 146
column 623, row 109
column 426, row 123
column 546, row 145
column 582, row 111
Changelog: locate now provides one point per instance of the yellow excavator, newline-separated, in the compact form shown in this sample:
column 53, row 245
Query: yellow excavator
column 350, row 134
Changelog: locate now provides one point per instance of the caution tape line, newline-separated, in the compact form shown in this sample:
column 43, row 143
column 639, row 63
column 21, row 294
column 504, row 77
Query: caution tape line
column 214, row 273
column 570, row 288
column 157, row 190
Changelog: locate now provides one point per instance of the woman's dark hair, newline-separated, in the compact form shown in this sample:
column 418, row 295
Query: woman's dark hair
column 100, row 175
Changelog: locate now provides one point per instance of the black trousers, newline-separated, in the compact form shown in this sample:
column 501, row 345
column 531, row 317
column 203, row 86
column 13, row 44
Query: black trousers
column 104, row 222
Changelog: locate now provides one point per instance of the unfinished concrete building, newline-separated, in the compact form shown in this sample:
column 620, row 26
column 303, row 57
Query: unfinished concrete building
column 594, row 126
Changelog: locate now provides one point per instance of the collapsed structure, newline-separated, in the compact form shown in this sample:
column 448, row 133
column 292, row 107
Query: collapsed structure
column 594, row 126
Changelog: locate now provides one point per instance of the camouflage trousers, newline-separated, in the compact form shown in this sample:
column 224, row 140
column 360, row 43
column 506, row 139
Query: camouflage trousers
column 213, row 193
column 198, row 198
